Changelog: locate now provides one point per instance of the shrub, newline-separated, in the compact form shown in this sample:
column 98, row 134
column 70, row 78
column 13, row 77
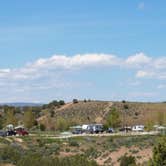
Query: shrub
column 159, row 153
column 38, row 160
column 75, row 101
column 62, row 102
column 41, row 142
column 10, row 154
column 91, row 153
column 73, row 143
column 52, row 113
column 127, row 161
column 67, row 150
column 85, row 100
column 42, row 127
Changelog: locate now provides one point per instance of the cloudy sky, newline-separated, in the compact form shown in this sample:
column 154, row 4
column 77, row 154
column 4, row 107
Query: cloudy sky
column 104, row 50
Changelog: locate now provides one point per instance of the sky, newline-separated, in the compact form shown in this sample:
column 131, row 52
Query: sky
column 93, row 49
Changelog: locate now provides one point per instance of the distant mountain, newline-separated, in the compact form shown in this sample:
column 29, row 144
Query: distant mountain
column 22, row 104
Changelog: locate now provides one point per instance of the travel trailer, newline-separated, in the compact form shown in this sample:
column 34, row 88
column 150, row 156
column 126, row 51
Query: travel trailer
column 138, row 128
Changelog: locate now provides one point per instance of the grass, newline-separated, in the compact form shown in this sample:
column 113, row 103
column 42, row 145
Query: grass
column 91, row 147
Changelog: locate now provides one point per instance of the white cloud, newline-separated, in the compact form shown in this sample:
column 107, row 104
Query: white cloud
column 43, row 67
column 160, row 63
column 138, row 60
column 46, row 74
column 151, row 74
column 145, row 66
column 77, row 61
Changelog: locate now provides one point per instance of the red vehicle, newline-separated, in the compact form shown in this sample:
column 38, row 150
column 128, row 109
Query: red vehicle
column 21, row 131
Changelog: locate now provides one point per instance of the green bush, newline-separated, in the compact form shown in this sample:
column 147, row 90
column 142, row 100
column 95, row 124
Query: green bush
column 10, row 154
column 73, row 143
column 38, row 160
column 42, row 156
column 91, row 153
column 127, row 161
column 159, row 153
column 42, row 127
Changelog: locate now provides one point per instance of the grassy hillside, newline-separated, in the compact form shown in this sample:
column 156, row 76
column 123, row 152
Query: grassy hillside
column 97, row 112
column 84, row 112
column 142, row 113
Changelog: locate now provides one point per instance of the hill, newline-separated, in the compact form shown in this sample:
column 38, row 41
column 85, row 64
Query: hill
column 97, row 112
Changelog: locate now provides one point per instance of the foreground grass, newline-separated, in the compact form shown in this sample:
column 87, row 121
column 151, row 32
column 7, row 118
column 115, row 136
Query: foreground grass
column 87, row 149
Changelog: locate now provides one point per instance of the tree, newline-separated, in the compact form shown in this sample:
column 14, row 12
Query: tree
column 125, row 107
column 113, row 118
column 61, row 102
column 159, row 153
column 85, row 100
column 29, row 118
column 42, row 127
column 160, row 118
column 1, row 122
column 52, row 113
column 127, row 161
column 10, row 117
column 149, row 125
column 54, row 104
column 75, row 101
column 62, row 124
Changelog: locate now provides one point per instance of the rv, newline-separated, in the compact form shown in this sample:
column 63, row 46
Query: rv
column 94, row 128
column 138, row 128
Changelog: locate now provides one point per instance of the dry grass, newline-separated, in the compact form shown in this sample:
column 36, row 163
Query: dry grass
column 143, row 113
column 97, row 111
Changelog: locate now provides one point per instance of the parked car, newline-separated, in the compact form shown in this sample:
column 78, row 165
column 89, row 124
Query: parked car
column 125, row 129
column 110, row 130
column 21, row 131
column 3, row 133
column 77, row 131
column 95, row 128
column 11, row 133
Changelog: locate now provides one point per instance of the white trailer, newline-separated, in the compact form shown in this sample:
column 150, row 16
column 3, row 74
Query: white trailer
column 138, row 128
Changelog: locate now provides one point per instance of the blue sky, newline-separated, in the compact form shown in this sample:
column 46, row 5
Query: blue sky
column 108, row 50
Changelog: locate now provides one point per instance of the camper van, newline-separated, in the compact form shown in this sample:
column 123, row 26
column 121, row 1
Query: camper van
column 138, row 128
column 95, row 128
